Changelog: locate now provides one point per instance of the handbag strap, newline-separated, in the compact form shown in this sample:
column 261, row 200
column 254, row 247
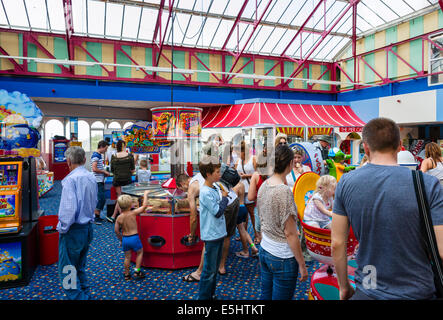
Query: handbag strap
column 429, row 235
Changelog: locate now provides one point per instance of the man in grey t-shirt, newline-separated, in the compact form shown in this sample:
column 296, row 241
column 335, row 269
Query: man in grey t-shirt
column 378, row 201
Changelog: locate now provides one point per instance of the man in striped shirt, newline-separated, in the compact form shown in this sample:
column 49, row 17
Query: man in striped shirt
column 98, row 168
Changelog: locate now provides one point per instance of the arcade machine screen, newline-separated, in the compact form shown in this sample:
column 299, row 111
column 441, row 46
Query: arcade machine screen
column 59, row 152
column 10, row 197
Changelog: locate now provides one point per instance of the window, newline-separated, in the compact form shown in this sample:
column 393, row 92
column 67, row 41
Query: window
column 52, row 127
column 114, row 125
column 127, row 125
column 96, row 133
column 84, row 135
column 436, row 61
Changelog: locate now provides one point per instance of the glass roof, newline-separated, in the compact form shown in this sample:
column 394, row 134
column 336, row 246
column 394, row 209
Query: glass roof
column 265, row 27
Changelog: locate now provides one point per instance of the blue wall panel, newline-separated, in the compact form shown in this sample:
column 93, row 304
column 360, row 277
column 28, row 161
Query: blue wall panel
column 83, row 89
column 366, row 109
column 392, row 89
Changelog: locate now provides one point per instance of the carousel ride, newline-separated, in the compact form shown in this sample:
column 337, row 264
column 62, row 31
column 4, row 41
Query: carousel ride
column 324, row 284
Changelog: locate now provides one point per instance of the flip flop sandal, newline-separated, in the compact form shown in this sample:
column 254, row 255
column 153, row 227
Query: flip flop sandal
column 189, row 278
column 222, row 274
column 240, row 255
column 127, row 276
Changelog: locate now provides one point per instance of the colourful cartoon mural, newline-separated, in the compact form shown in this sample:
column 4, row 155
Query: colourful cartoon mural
column 189, row 123
column 20, row 118
column 139, row 139
column 163, row 124
column 10, row 261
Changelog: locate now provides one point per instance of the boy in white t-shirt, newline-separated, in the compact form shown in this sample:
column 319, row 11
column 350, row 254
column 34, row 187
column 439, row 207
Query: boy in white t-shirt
column 143, row 173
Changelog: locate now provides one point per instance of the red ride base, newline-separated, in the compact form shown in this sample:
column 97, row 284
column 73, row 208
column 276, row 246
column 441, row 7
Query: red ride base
column 324, row 284
column 161, row 236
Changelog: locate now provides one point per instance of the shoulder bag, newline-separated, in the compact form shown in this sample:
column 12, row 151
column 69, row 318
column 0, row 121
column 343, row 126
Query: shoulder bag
column 428, row 232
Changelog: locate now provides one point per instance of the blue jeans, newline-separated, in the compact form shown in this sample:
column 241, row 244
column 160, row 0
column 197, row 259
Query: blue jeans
column 72, row 252
column 211, row 263
column 278, row 276
column 101, row 196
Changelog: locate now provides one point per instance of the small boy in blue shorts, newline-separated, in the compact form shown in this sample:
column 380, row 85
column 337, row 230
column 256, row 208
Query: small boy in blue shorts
column 126, row 230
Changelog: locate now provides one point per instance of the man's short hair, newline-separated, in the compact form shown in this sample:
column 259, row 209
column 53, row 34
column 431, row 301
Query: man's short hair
column 76, row 155
column 208, row 165
column 102, row 144
column 181, row 178
column 125, row 202
column 381, row 134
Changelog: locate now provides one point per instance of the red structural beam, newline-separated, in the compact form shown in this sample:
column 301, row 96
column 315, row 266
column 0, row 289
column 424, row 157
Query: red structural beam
column 69, row 26
column 32, row 39
column 204, row 65
column 17, row 66
column 385, row 80
column 299, row 31
column 162, row 39
column 326, row 33
column 158, row 24
column 79, row 45
column 354, row 36
column 119, row 48
column 303, row 26
column 235, row 23
column 440, row 2
column 256, row 24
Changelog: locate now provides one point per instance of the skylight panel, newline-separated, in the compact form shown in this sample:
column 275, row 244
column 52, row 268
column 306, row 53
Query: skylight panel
column 219, row 6
column 37, row 14
column 147, row 24
column 131, row 22
column 56, row 14
column 96, row 18
column 222, row 33
column 16, row 13
column 114, row 15
column 234, row 7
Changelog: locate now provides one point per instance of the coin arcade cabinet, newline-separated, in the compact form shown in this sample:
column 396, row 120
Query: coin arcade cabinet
column 57, row 159
column 18, row 189
column 164, row 226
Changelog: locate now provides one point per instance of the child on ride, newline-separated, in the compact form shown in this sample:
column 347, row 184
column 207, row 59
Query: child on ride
column 318, row 211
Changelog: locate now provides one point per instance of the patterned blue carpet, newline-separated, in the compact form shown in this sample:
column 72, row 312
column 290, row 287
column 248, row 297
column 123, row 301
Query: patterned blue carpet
column 105, row 272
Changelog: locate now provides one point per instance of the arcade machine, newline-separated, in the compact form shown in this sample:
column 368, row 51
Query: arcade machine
column 164, row 227
column 18, row 220
column 19, row 213
column 57, row 160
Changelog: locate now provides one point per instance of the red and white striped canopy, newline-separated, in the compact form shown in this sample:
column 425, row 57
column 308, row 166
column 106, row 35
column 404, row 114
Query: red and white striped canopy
column 281, row 114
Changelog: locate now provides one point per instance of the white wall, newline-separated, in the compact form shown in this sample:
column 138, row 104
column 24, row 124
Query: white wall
column 418, row 107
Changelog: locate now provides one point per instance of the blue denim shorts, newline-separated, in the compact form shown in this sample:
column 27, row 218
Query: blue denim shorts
column 131, row 243
column 242, row 214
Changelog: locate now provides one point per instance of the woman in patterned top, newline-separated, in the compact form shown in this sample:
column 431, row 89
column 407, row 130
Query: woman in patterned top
column 280, row 253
